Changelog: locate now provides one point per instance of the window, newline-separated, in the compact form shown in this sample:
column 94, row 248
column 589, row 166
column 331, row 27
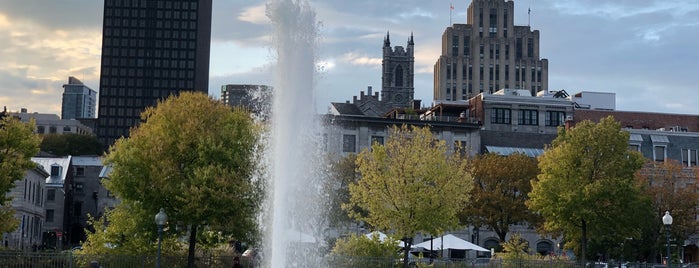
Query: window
column 348, row 143
column 528, row 117
column 689, row 157
column 80, row 171
column 40, row 130
column 500, row 116
column 55, row 171
column 635, row 147
column 79, row 187
column 376, row 139
column 49, row 215
column 659, row 153
column 51, row 195
column 460, row 147
column 554, row 118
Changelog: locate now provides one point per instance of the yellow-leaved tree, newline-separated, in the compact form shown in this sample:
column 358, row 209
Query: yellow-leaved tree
column 410, row 185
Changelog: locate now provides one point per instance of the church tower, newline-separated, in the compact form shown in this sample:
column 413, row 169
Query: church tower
column 397, row 89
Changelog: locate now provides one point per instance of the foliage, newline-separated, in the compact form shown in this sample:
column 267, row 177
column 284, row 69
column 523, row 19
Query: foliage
column 341, row 173
column 363, row 246
column 18, row 144
column 514, row 249
column 501, row 187
column 194, row 157
column 410, row 185
column 671, row 188
column 71, row 144
column 130, row 230
column 586, row 186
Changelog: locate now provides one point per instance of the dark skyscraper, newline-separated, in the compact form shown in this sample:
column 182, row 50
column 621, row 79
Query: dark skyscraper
column 151, row 49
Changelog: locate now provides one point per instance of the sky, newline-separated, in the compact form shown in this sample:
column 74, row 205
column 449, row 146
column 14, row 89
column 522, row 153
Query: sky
column 645, row 51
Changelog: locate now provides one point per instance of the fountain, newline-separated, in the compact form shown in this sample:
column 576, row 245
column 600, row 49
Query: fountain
column 292, row 222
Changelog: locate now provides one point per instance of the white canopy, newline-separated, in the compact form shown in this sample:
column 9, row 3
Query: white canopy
column 450, row 242
column 383, row 237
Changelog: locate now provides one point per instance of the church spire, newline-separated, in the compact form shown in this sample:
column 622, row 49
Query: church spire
column 387, row 40
column 410, row 40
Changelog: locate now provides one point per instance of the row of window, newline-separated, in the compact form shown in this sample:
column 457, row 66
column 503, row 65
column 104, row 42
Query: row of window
column 121, row 54
column 174, row 69
column 111, row 23
column 349, row 143
column 162, row 4
column 52, row 129
column 116, row 37
column 159, row 83
column 526, row 117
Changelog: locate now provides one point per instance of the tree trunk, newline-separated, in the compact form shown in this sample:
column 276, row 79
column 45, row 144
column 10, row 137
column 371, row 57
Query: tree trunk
column 192, row 244
column 583, row 242
column 406, row 252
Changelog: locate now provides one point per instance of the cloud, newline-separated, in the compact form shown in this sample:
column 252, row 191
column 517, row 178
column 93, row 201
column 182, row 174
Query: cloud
column 37, row 60
column 254, row 14
column 357, row 59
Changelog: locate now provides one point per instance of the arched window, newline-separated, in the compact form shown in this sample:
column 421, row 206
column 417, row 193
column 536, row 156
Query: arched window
column 399, row 76
column 544, row 247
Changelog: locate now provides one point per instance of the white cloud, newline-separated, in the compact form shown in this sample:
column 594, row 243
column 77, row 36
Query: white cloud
column 354, row 58
column 254, row 14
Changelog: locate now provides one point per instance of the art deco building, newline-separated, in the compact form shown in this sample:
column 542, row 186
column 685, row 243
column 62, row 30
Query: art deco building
column 151, row 49
column 489, row 53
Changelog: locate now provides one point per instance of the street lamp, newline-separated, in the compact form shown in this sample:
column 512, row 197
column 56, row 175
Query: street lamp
column 667, row 221
column 160, row 220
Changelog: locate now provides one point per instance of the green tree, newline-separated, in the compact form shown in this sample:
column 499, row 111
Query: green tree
column 194, row 157
column 341, row 173
column 410, row 185
column 671, row 188
column 586, row 186
column 71, row 144
column 366, row 249
column 18, row 144
column 501, row 187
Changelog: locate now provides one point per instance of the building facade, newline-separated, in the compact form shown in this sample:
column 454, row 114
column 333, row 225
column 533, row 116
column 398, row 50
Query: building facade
column 57, row 201
column 256, row 98
column 28, row 204
column 151, row 49
column 53, row 124
column 86, row 194
column 478, row 59
column 79, row 101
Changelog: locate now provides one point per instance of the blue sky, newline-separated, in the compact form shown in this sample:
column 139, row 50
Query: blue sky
column 645, row 51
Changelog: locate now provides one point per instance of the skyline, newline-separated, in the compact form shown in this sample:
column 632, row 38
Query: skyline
column 644, row 51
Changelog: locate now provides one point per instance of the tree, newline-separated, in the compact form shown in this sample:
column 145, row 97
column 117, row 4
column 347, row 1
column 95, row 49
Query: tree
column 501, row 187
column 341, row 173
column 586, row 185
column 366, row 246
column 194, row 157
column 18, row 144
column 410, row 185
column 671, row 188
column 71, row 144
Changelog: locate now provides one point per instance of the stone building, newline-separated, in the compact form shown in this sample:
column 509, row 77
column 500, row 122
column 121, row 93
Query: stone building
column 489, row 53
column 28, row 204
column 58, row 200
column 397, row 89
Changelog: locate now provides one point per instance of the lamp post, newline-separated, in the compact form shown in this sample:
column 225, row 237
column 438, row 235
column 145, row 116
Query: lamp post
column 667, row 221
column 160, row 220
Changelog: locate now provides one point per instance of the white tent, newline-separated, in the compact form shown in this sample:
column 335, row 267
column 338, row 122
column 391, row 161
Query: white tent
column 383, row 237
column 450, row 242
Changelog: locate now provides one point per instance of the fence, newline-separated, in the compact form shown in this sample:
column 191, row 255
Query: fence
column 18, row 259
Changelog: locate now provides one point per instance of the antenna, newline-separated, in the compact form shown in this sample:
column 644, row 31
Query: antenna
column 451, row 9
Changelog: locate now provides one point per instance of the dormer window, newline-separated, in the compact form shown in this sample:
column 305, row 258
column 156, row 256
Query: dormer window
column 55, row 170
